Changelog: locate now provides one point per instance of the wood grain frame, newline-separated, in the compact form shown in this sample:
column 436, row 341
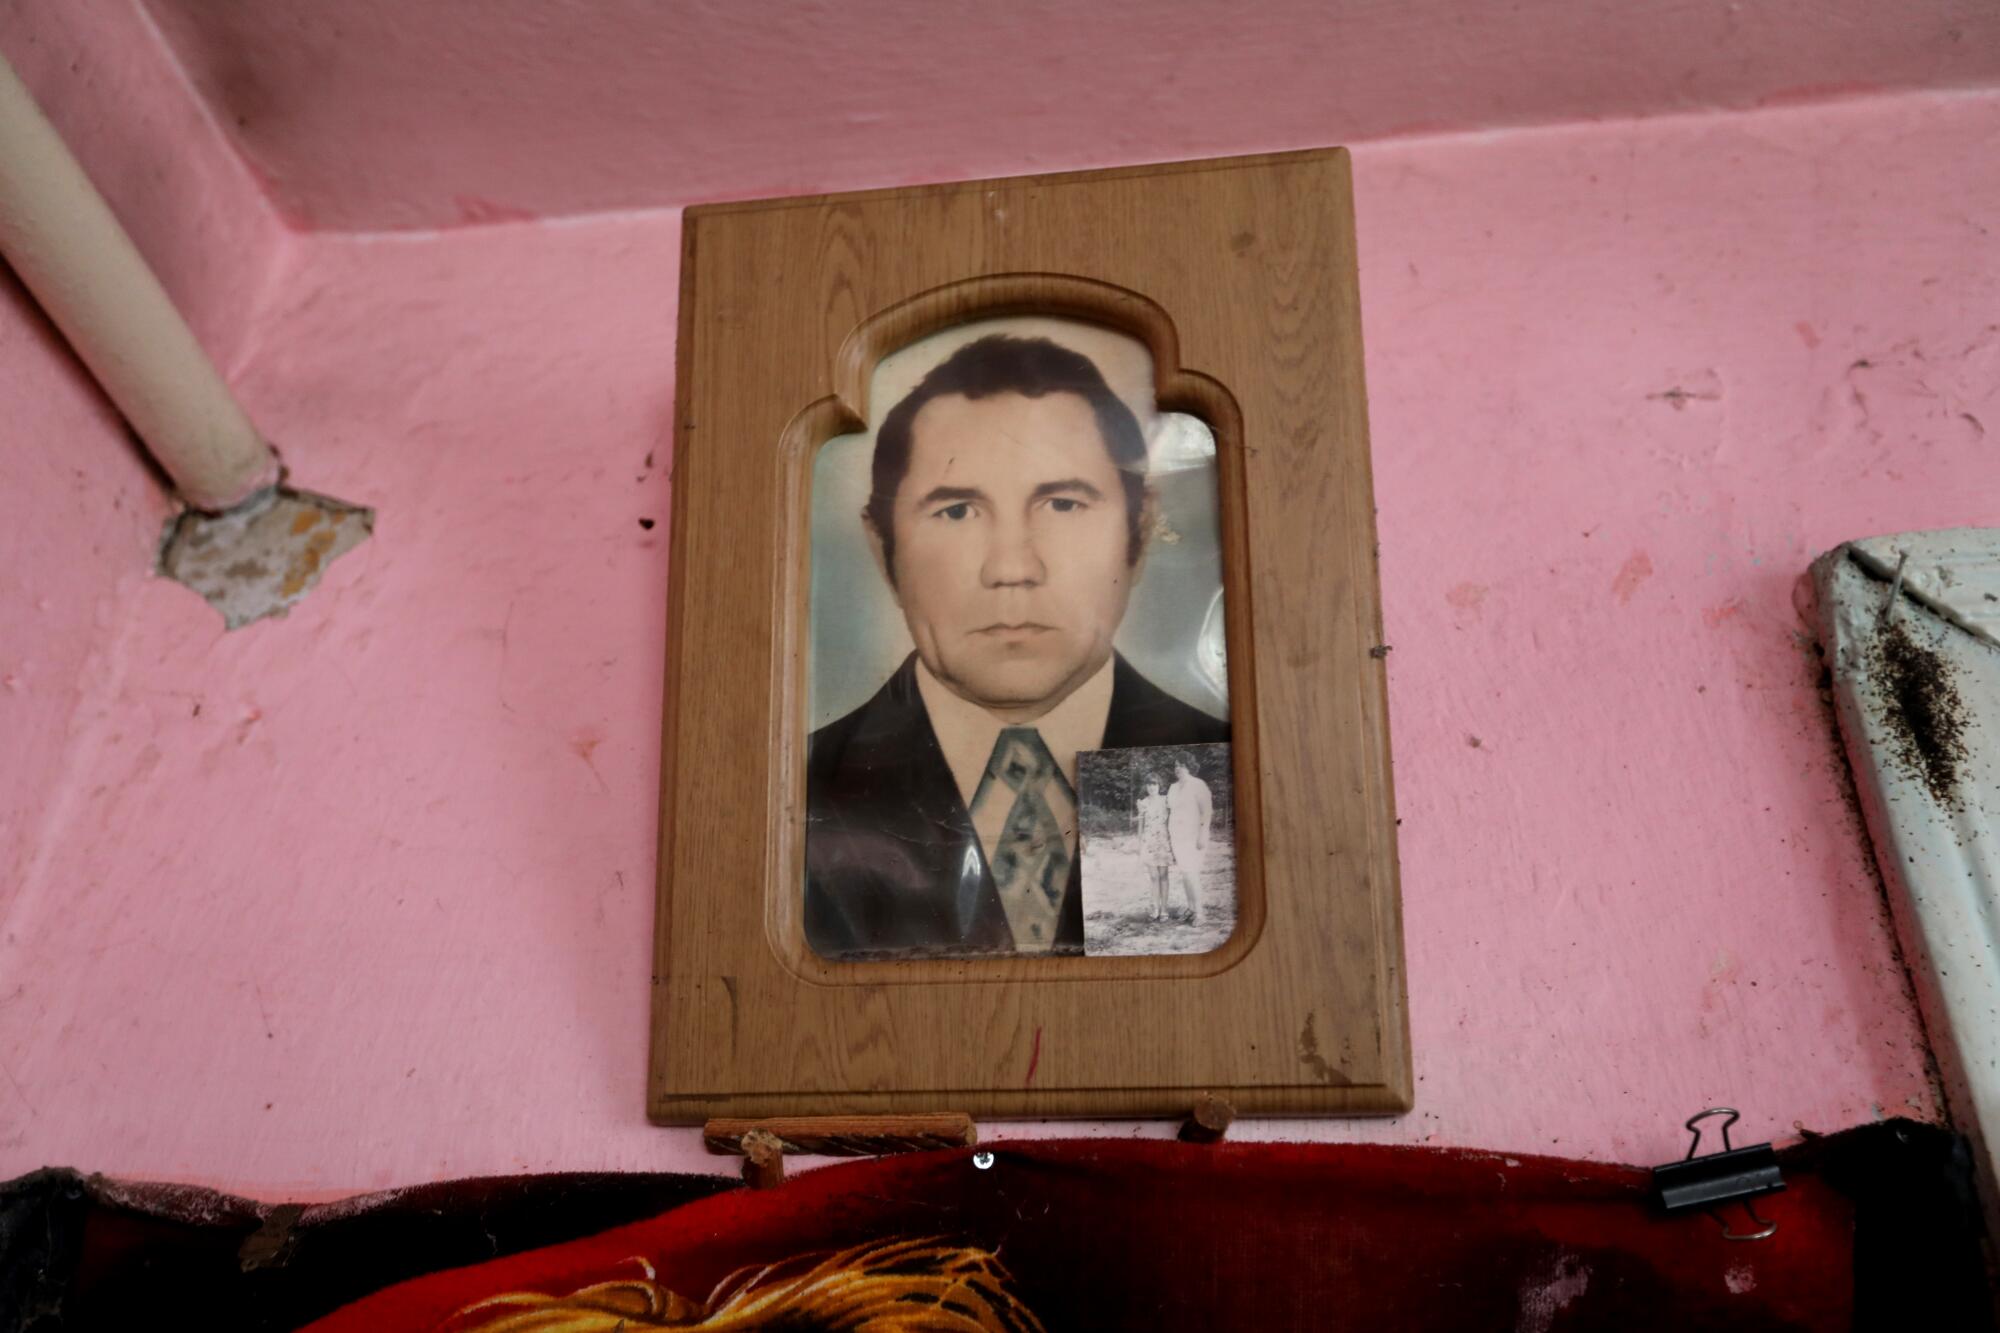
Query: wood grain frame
column 1238, row 276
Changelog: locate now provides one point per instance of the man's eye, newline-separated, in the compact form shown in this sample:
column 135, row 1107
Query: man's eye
column 961, row 510
column 1063, row 505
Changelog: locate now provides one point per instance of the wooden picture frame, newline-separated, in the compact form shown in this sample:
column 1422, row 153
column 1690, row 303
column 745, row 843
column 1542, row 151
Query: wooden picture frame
column 1239, row 277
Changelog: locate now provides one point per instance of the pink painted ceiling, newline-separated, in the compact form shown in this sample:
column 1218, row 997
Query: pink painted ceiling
column 374, row 114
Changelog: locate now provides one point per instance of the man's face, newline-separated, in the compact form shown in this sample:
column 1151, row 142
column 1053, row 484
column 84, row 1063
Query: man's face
column 1011, row 545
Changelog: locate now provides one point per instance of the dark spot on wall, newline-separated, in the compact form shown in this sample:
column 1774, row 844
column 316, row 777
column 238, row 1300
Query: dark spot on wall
column 646, row 523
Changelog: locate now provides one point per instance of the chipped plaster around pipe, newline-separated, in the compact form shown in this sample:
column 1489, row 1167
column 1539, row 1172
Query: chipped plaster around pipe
column 261, row 557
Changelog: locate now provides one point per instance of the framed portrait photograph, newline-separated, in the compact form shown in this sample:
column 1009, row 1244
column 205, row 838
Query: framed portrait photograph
column 1017, row 567
column 1025, row 743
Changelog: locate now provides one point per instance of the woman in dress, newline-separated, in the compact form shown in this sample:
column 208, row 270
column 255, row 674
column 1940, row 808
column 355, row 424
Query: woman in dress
column 1154, row 852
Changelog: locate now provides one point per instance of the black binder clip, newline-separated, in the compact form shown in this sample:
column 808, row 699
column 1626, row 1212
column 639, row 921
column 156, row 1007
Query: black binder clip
column 1729, row 1176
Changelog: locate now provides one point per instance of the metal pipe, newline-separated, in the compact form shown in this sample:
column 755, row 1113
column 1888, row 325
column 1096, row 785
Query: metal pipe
column 68, row 249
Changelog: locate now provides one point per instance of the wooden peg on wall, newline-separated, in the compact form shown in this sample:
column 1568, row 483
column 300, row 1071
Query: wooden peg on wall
column 763, row 1159
column 1209, row 1120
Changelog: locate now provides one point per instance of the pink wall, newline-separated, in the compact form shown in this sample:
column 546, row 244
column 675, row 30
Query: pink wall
column 81, row 513
column 363, row 897
column 375, row 114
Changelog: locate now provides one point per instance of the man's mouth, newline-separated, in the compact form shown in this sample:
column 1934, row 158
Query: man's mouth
column 1000, row 630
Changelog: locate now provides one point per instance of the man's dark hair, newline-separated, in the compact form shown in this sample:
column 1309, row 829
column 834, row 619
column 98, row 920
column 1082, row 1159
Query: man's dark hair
column 1190, row 763
column 1032, row 367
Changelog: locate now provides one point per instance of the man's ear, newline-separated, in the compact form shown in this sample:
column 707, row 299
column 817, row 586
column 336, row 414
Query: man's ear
column 877, row 547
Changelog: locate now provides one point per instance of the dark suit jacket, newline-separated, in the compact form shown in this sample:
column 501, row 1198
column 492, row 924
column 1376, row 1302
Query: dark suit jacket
column 892, row 862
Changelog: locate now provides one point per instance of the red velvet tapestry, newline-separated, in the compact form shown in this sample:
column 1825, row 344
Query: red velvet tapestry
column 1081, row 1234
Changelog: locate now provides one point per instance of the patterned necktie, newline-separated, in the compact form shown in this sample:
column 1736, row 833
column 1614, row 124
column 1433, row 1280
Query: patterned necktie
column 1025, row 815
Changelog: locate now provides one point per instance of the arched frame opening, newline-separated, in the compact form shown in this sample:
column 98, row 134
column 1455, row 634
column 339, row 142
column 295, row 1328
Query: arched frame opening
column 1176, row 389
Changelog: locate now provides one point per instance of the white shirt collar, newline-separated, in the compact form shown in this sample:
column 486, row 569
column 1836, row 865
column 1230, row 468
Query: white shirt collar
column 966, row 732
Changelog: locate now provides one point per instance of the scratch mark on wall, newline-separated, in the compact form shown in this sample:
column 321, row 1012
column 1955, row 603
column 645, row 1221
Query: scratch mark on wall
column 1705, row 387
column 19, row 1091
column 263, row 1011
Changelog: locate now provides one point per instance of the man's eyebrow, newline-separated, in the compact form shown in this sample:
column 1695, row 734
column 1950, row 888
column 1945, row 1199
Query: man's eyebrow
column 1076, row 485
column 950, row 495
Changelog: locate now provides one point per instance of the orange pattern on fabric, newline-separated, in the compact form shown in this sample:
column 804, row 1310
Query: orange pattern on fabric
column 900, row 1286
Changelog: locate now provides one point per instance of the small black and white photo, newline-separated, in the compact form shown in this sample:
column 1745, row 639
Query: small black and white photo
column 1158, row 830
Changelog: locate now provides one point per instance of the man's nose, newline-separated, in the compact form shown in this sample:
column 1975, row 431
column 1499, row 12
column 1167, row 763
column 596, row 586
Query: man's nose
column 1011, row 558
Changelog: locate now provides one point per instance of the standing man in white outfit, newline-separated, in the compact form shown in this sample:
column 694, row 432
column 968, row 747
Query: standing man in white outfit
column 1190, row 810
